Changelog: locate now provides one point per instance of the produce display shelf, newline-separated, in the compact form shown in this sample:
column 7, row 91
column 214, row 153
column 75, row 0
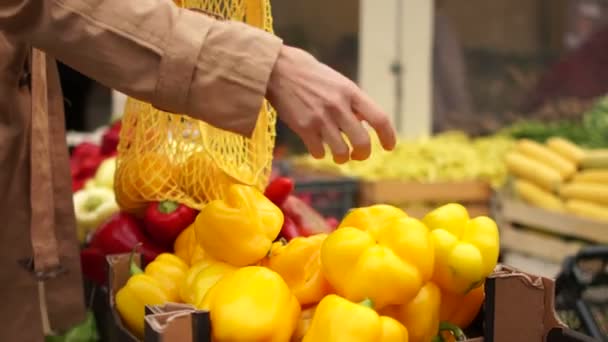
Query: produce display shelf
column 417, row 199
column 518, row 307
column 541, row 233
column 330, row 194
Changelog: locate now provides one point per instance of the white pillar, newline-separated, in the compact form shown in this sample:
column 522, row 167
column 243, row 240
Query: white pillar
column 377, row 51
column 381, row 46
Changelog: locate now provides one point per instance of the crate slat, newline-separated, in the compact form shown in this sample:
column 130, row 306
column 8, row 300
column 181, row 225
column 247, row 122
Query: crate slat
column 543, row 246
column 399, row 193
column 514, row 211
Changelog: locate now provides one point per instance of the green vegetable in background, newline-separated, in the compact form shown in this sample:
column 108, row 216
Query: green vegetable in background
column 83, row 332
column 590, row 132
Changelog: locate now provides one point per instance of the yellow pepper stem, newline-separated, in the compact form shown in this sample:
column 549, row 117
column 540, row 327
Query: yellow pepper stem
column 368, row 303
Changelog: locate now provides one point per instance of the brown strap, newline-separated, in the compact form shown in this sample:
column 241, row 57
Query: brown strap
column 42, row 225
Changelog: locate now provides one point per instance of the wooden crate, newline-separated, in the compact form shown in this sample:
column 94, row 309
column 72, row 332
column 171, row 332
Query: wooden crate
column 544, row 234
column 418, row 199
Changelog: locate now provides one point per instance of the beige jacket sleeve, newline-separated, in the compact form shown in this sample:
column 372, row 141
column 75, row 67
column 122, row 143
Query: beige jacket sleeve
column 179, row 60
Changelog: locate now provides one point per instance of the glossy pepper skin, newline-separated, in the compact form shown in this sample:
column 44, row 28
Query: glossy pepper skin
column 307, row 220
column 421, row 315
column 239, row 229
column 303, row 323
column 299, row 263
column 140, row 290
column 461, row 310
column 252, row 304
column 165, row 220
column 279, row 189
column 201, row 277
column 120, row 234
column 170, row 271
column 337, row 319
column 187, row 248
column 466, row 250
column 371, row 217
column 388, row 263
column 290, row 230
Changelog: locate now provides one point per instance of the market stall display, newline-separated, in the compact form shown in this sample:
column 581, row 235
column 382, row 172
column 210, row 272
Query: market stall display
column 517, row 307
column 588, row 132
column 436, row 266
column 208, row 240
column 421, row 174
column 556, row 201
column 561, row 177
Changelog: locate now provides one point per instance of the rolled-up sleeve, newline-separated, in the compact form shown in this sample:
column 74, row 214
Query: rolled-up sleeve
column 179, row 60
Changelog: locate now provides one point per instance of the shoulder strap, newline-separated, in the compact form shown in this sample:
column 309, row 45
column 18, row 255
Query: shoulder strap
column 42, row 225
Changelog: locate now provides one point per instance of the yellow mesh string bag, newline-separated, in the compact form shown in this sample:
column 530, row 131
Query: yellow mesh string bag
column 164, row 156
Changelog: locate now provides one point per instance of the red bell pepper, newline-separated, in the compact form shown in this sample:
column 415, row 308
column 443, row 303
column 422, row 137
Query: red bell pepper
column 84, row 161
column 279, row 189
column 110, row 138
column 85, row 149
column 291, row 230
column 120, row 234
column 332, row 222
column 94, row 266
column 305, row 216
column 164, row 221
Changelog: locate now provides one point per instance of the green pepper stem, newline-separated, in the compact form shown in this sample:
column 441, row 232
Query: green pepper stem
column 133, row 268
column 454, row 329
column 167, row 207
column 438, row 338
column 367, row 303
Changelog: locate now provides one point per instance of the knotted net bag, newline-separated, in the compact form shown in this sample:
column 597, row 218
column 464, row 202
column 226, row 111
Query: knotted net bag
column 164, row 156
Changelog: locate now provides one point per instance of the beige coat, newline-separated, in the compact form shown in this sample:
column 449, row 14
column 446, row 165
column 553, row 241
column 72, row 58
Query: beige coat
column 178, row 60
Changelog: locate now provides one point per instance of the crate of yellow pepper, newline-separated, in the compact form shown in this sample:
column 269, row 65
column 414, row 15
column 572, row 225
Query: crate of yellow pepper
column 380, row 276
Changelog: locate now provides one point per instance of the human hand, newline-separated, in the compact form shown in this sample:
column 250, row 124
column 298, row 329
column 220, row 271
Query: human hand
column 318, row 103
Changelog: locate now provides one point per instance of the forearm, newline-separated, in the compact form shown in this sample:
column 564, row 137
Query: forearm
column 176, row 59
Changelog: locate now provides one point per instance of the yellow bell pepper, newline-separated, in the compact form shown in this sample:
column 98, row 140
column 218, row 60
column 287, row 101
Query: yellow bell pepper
column 201, row 277
column 303, row 323
column 241, row 228
column 337, row 319
column 170, row 271
column 186, row 294
column 461, row 310
column 159, row 284
column 187, row 248
column 252, row 304
column 388, row 264
column 466, row 250
column 371, row 217
column 421, row 315
column 299, row 263
column 131, row 300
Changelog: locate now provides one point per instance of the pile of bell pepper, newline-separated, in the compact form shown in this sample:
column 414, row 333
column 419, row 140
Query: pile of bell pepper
column 102, row 228
column 155, row 234
column 92, row 167
column 87, row 157
column 380, row 276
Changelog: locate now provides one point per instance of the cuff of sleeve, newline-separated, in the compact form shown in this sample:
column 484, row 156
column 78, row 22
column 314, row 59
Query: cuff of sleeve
column 230, row 82
column 179, row 61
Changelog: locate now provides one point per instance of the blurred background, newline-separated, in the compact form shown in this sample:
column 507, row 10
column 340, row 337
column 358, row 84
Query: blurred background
column 491, row 63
